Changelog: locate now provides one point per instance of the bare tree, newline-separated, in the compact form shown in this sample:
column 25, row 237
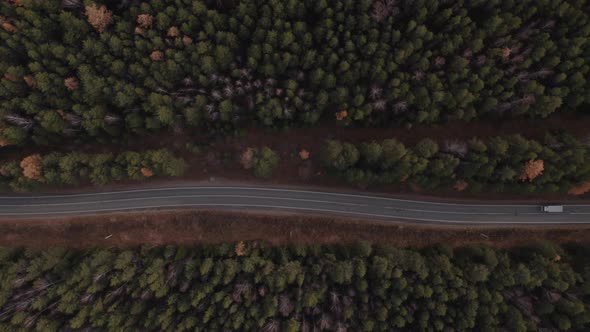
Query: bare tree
column 380, row 105
column 228, row 91
column 325, row 322
column 341, row 327
column 285, row 305
column 481, row 60
column 272, row 326
column 20, row 121
column 335, row 304
column 71, row 4
column 400, row 106
column 112, row 119
column 456, row 147
column 187, row 81
column 375, row 92
column 216, row 94
column 382, row 9
column 419, row 75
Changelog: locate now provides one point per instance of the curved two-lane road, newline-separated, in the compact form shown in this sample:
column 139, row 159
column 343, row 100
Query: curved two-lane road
column 273, row 199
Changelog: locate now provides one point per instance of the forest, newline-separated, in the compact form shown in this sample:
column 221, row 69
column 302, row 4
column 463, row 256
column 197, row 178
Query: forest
column 559, row 163
column 74, row 70
column 74, row 168
column 251, row 286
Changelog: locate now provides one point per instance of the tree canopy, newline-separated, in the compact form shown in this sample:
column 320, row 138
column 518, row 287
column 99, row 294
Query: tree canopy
column 253, row 286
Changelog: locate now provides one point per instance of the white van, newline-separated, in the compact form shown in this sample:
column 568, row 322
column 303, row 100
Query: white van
column 552, row 208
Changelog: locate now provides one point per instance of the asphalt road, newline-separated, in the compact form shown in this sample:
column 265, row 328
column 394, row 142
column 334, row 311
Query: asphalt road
column 298, row 201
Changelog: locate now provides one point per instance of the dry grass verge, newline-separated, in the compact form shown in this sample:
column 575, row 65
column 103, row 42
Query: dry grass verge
column 193, row 227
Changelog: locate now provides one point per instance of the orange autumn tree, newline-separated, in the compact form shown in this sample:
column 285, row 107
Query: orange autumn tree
column 157, row 56
column 147, row 172
column 532, row 169
column 187, row 40
column 240, row 249
column 145, row 20
column 99, row 17
column 247, row 158
column 30, row 81
column 580, row 189
column 71, row 83
column 173, row 32
column 304, row 154
column 9, row 27
column 31, row 167
column 341, row 115
column 461, row 185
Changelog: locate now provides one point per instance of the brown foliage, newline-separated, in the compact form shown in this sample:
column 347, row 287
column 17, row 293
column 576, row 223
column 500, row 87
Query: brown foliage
column 147, row 172
column 99, row 17
column 30, row 81
column 532, row 169
column 16, row 3
column 341, row 115
column 139, row 31
column 187, row 40
column 240, row 248
column 157, row 56
column 304, row 154
column 506, row 52
column 9, row 27
column 145, row 20
column 71, row 83
column 10, row 77
column 580, row 189
column 173, row 32
column 247, row 158
column 461, row 185
column 31, row 166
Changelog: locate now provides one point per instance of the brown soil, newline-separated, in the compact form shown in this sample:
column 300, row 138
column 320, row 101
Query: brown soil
column 196, row 227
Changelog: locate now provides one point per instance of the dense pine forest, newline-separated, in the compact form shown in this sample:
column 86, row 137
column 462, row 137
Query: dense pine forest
column 100, row 72
column 58, row 169
column 74, row 70
column 254, row 287
column 559, row 163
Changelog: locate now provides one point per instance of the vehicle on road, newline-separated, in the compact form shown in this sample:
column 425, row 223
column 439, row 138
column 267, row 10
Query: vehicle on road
column 552, row 208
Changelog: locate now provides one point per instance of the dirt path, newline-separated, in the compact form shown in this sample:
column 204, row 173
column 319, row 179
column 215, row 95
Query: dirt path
column 190, row 228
